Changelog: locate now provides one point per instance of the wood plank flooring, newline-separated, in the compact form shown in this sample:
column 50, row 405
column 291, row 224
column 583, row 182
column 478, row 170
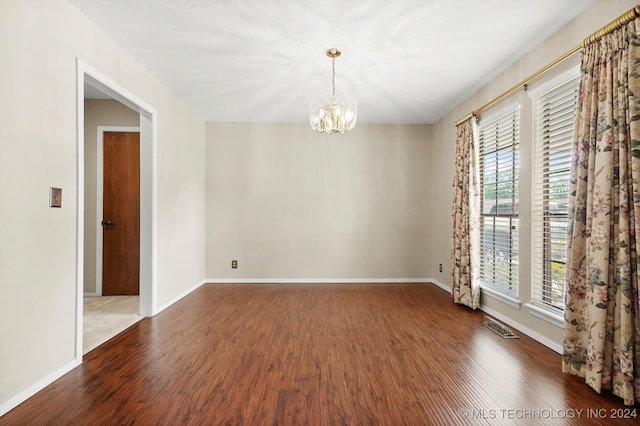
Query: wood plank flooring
column 325, row 354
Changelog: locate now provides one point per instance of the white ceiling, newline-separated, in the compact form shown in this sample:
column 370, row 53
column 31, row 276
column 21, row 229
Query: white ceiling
column 405, row 61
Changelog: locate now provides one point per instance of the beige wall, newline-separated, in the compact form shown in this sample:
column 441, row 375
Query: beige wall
column 440, row 158
column 40, row 43
column 290, row 203
column 97, row 112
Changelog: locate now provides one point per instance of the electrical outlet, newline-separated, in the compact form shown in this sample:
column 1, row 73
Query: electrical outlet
column 441, row 267
column 234, row 264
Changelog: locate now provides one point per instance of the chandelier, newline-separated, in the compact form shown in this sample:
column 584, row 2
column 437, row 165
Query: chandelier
column 332, row 114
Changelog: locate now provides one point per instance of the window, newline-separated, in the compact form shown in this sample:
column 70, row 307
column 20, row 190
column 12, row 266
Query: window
column 554, row 117
column 499, row 177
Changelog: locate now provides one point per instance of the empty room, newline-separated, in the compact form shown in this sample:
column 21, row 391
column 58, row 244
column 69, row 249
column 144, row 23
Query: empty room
column 319, row 212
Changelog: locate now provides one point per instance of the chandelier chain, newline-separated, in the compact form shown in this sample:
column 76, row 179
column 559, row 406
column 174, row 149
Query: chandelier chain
column 333, row 77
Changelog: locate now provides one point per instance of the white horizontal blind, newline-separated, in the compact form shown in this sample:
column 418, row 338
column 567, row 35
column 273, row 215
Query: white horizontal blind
column 554, row 117
column 499, row 177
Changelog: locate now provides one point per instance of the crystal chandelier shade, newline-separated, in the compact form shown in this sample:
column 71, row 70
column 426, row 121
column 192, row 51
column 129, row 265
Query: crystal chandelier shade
column 333, row 114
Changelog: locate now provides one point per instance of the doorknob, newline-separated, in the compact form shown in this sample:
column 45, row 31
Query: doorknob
column 107, row 223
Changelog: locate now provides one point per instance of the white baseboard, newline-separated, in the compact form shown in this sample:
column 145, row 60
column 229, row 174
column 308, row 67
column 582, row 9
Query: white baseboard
column 525, row 330
column 12, row 403
column 439, row 284
column 314, row 280
column 177, row 298
column 94, row 294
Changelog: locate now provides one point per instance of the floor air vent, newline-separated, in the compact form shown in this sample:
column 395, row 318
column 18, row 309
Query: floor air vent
column 499, row 328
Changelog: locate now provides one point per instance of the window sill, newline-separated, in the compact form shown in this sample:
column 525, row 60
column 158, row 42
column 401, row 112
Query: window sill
column 515, row 303
column 545, row 315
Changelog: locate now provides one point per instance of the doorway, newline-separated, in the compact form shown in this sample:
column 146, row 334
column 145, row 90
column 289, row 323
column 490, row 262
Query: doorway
column 88, row 77
column 112, row 217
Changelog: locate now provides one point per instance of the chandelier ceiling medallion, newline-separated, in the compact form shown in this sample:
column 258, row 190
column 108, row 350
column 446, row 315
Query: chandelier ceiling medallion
column 332, row 114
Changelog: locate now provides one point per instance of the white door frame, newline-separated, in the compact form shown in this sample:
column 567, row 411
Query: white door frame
column 148, row 190
column 100, row 195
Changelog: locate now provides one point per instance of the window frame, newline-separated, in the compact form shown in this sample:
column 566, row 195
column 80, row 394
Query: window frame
column 555, row 92
column 507, row 120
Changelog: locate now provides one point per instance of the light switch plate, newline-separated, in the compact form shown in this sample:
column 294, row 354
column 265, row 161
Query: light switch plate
column 55, row 197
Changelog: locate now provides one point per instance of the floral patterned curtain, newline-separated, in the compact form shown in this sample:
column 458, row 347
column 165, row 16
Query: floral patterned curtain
column 465, row 217
column 602, row 322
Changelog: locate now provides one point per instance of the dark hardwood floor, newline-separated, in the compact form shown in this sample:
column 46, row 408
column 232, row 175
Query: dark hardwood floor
column 325, row 354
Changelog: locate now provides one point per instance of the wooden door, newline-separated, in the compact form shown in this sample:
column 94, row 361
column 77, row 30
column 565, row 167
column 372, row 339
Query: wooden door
column 121, row 214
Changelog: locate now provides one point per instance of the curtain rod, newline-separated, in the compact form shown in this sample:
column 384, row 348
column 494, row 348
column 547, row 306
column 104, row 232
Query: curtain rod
column 610, row 27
